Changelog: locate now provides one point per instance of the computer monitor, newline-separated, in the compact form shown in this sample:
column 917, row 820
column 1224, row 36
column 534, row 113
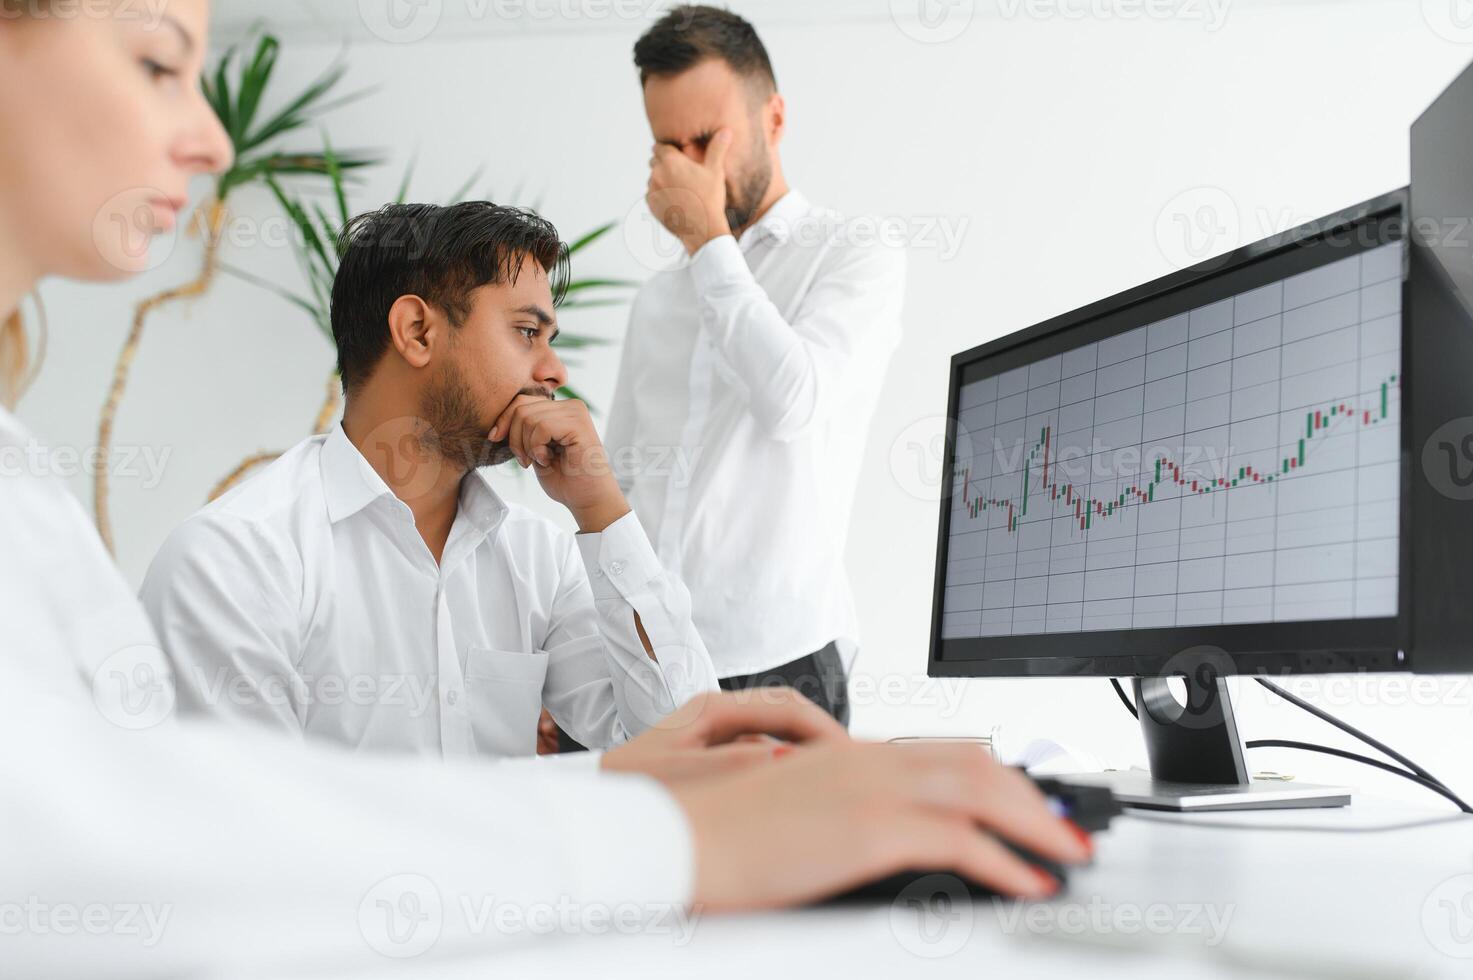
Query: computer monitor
column 1199, row 477
column 1211, row 459
column 1263, row 463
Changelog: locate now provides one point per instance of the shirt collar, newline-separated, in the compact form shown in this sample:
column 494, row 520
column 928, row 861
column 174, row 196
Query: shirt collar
column 350, row 484
column 479, row 501
column 778, row 223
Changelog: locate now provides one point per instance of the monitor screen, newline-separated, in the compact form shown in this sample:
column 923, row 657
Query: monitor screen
column 1223, row 455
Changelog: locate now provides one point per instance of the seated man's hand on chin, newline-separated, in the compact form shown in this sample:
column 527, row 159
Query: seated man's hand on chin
column 722, row 732
column 557, row 439
column 835, row 814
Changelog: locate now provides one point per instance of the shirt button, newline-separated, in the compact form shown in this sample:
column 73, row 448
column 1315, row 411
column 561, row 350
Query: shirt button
column 452, row 697
column 616, row 568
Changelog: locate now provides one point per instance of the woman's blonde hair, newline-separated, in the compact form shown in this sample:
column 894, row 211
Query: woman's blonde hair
column 17, row 367
column 14, row 358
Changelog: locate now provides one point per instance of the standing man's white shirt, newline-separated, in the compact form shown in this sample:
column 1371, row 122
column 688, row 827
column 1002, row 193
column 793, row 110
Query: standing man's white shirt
column 748, row 381
column 225, row 839
column 307, row 599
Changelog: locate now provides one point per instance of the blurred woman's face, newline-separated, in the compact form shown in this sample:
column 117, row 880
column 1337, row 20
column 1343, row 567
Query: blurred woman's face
column 102, row 124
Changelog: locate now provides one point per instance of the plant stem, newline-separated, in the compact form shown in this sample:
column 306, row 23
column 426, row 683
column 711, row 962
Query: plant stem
column 325, row 416
column 237, row 474
column 330, row 406
column 215, row 219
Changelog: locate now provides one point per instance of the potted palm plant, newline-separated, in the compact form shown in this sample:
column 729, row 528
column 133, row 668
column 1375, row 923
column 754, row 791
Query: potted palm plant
column 236, row 91
column 316, row 243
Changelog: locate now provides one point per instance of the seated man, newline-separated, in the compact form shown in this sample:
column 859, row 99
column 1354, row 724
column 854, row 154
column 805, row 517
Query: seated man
column 371, row 588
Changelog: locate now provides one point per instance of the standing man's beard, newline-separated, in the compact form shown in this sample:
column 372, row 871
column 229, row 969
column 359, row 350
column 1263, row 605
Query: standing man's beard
column 456, row 431
column 744, row 200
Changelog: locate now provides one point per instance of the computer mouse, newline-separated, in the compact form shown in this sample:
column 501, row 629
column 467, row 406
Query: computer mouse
column 1091, row 808
column 919, row 885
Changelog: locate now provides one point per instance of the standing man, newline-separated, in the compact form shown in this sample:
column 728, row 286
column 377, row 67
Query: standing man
column 750, row 371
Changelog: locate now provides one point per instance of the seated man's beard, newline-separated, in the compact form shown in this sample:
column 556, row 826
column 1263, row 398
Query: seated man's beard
column 745, row 199
column 456, row 431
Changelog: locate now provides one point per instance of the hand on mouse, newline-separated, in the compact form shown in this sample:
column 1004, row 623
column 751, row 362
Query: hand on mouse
column 837, row 814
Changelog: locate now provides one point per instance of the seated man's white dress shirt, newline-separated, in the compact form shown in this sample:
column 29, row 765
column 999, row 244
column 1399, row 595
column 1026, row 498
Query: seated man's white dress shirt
column 230, row 852
column 307, row 599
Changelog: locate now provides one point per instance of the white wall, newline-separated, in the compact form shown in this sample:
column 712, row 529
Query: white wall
column 1061, row 146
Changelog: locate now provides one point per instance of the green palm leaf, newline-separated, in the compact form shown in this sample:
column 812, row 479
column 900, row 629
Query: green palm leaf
column 591, row 237
column 237, row 91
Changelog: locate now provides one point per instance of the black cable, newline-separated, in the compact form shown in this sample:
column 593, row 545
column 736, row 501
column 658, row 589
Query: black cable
column 1115, row 682
column 1350, row 730
column 1416, row 774
column 1283, row 743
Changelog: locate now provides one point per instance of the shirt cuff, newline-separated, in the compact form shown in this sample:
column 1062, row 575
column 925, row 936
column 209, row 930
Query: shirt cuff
column 619, row 558
column 717, row 263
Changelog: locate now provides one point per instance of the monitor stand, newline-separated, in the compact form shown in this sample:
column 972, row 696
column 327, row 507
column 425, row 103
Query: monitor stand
column 1196, row 758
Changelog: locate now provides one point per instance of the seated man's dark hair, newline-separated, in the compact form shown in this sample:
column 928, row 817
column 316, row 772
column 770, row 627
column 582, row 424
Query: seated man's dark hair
column 440, row 254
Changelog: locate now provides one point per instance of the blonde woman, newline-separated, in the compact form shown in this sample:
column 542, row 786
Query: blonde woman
column 191, row 850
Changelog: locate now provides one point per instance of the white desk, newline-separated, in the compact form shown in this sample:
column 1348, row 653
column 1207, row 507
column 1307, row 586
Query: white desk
column 1295, row 894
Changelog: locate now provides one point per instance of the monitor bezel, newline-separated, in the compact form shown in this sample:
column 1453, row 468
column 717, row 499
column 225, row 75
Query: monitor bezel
column 1318, row 646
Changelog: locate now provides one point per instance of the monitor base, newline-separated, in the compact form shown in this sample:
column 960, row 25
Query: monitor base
column 1134, row 788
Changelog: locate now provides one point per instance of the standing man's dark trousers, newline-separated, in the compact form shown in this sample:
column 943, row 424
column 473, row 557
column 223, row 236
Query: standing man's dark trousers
column 819, row 677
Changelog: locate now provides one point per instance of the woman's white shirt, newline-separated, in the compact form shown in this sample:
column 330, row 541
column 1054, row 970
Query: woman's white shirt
column 144, row 845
